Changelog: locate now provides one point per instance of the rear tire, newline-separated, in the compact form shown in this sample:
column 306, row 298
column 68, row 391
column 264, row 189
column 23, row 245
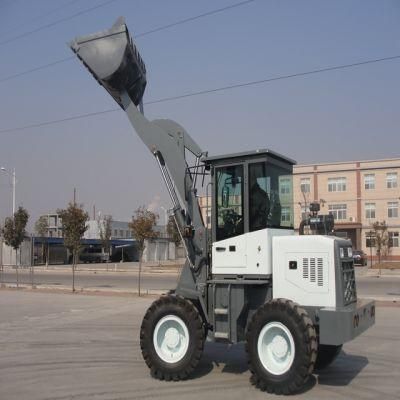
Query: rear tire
column 326, row 355
column 172, row 338
column 282, row 347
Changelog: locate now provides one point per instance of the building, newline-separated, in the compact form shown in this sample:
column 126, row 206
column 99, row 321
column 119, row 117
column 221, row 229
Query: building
column 357, row 193
column 119, row 230
column 158, row 249
column 54, row 228
column 122, row 243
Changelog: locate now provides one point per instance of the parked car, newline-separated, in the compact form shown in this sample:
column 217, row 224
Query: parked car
column 93, row 254
column 359, row 257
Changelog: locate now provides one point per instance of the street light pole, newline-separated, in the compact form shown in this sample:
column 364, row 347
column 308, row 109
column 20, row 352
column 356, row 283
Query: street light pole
column 165, row 217
column 12, row 174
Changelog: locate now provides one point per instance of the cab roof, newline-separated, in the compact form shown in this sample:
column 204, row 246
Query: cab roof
column 246, row 155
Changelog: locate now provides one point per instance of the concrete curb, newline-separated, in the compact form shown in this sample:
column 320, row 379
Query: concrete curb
column 392, row 299
column 145, row 271
column 80, row 290
column 374, row 273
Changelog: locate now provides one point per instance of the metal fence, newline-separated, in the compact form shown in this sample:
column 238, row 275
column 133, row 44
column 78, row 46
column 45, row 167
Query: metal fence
column 18, row 264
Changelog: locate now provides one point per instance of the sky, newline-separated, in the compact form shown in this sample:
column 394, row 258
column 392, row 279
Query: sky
column 346, row 114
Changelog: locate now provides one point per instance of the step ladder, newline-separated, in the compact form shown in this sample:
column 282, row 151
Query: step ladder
column 221, row 315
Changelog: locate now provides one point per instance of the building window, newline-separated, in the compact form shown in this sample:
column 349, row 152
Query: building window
column 391, row 180
column 393, row 209
column 285, row 214
column 394, row 239
column 115, row 233
column 369, row 239
column 305, row 185
column 337, row 184
column 339, row 211
column 285, row 184
column 121, row 233
column 369, row 210
column 369, row 181
column 53, row 220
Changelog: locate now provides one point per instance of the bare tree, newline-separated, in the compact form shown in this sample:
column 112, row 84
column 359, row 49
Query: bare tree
column 173, row 231
column 142, row 226
column 14, row 232
column 381, row 239
column 105, row 231
column 73, row 221
column 42, row 229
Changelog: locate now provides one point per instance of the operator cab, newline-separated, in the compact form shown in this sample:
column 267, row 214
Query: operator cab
column 252, row 202
column 251, row 191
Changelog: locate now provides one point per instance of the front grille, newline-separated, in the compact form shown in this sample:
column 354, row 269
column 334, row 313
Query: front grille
column 349, row 282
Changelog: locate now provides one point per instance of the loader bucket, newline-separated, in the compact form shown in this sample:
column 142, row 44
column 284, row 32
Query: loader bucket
column 112, row 58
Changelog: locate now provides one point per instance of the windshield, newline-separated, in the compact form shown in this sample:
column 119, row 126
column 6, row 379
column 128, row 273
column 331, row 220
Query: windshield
column 270, row 197
column 269, row 194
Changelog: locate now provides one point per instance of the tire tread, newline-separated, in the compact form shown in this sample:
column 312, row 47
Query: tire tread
column 157, row 370
column 310, row 346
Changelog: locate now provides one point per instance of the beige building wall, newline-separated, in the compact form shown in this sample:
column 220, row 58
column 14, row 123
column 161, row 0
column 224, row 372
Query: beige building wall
column 366, row 194
column 205, row 207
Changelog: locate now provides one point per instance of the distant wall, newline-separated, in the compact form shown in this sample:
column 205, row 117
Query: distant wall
column 23, row 256
column 159, row 250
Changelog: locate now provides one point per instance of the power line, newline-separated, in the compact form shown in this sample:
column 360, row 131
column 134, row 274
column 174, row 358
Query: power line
column 184, row 21
column 40, row 28
column 59, row 121
column 7, row 78
column 207, row 91
column 277, row 78
column 46, row 14
column 141, row 34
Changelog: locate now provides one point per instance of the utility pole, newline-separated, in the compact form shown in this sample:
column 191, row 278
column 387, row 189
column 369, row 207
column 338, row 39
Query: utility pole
column 13, row 185
column 14, row 182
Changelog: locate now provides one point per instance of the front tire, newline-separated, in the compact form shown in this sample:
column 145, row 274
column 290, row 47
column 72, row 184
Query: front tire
column 281, row 343
column 172, row 338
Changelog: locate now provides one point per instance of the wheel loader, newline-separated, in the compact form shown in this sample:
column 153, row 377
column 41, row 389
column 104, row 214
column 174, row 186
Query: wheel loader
column 249, row 278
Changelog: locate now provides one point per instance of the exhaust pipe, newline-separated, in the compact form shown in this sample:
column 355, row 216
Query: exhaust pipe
column 112, row 58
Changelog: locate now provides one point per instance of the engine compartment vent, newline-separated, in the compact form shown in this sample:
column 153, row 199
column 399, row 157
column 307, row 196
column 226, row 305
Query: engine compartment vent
column 313, row 270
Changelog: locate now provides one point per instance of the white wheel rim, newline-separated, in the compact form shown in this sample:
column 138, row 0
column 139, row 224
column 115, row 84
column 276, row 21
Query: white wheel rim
column 276, row 348
column 171, row 339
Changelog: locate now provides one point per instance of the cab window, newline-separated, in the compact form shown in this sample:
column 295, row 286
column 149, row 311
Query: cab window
column 229, row 199
column 270, row 197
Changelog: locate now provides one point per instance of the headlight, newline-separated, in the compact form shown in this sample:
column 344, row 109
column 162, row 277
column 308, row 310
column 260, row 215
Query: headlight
column 350, row 252
column 341, row 252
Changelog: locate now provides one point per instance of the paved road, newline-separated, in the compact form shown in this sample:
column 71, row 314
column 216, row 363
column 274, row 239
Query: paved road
column 64, row 346
column 125, row 281
column 385, row 286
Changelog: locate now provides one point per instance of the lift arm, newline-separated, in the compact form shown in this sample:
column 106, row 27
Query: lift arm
column 113, row 60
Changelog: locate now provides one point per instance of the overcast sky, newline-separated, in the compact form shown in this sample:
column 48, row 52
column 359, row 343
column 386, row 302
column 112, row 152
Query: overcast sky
column 348, row 114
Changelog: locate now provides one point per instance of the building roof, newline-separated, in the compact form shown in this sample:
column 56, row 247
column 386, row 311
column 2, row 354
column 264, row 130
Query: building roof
column 349, row 162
